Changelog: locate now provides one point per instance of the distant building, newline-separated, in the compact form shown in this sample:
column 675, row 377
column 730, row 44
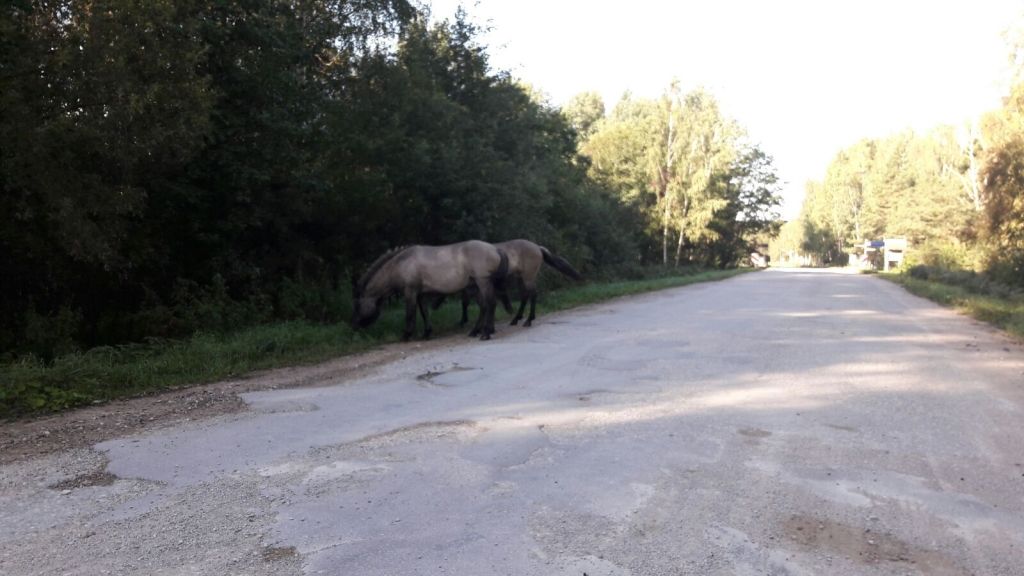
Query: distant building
column 759, row 257
column 879, row 254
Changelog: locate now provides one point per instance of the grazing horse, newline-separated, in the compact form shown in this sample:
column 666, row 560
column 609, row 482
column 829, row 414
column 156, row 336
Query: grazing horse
column 524, row 261
column 418, row 273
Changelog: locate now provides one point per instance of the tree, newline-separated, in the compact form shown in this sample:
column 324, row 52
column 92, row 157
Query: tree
column 617, row 151
column 583, row 112
column 705, row 149
column 100, row 103
column 669, row 156
column 160, row 144
column 751, row 215
column 1002, row 175
column 820, row 233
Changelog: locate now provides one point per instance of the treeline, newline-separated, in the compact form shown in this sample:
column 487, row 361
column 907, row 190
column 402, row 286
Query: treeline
column 169, row 166
column 956, row 194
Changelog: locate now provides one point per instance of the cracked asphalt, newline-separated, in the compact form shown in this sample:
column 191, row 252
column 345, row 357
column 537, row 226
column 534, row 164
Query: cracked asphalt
column 787, row 422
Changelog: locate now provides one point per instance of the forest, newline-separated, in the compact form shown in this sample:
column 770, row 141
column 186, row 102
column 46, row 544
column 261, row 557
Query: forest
column 954, row 193
column 173, row 167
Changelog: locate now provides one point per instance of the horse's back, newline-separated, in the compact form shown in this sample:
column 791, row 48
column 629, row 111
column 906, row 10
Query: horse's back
column 524, row 257
column 461, row 254
column 450, row 268
column 482, row 258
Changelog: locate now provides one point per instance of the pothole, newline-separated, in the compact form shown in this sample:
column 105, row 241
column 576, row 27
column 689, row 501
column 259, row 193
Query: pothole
column 866, row 546
column 97, row 478
column 276, row 553
column 428, row 376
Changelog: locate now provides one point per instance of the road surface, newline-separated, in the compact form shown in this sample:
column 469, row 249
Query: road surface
column 783, row 422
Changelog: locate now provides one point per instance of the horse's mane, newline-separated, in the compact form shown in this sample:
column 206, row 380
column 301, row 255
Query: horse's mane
column 376, row 266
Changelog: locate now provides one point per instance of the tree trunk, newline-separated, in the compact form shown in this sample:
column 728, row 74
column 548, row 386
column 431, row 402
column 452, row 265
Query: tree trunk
column 666, row 176
column 972, row 180
column 664, row 237
column 679, row 245
column 679, row 248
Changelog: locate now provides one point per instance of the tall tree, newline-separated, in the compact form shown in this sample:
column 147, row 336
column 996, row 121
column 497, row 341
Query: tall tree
column 101, row 101
column 1002, row 176
column 670, row 155
column 751, row 214
column 583, row 112
column 706, row 149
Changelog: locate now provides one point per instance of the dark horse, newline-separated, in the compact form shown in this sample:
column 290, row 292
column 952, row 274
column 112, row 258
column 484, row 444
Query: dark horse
column 418, row 273
column 524, row 261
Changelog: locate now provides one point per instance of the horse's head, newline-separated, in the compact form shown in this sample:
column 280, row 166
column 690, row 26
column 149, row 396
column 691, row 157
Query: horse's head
column 365, row 311
column 369, row 291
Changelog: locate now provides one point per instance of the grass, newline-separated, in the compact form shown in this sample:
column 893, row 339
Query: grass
column 1004, row 312
column 29, row 386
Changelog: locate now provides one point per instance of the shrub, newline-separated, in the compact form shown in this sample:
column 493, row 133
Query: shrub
column 49, row 336
column 966, row 279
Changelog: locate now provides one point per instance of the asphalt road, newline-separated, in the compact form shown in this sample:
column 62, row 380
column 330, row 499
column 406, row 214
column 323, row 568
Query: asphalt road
column 784, row 422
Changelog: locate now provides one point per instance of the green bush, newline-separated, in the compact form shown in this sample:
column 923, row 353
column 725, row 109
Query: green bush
column 211, row 307
column 1006, row 267
column 966, row 279
column 944, row 254
column 318, row 302
column 49, row 336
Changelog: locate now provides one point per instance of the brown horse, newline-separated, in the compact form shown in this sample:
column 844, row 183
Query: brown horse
column 418, row 273
column 524, row 261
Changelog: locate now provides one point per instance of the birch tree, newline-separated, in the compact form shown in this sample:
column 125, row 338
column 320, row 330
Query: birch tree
column 673, row 155
column 706, row 146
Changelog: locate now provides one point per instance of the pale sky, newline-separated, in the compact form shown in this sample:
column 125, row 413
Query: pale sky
column 805, row 78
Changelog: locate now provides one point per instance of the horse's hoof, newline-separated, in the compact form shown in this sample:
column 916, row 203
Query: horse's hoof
column 514, row 322
column 485, row 337
column 473, row 334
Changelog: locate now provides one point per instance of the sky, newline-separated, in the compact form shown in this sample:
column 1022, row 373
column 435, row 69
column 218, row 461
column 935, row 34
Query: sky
column 805, row 78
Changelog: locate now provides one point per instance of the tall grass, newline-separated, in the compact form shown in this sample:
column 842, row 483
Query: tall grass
column 1005, row 310
column 30, row 386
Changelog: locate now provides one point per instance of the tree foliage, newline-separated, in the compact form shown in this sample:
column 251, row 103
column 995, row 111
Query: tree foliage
column 1002, row 175
column 906, row 185
column 683, row 163
column 583, row 112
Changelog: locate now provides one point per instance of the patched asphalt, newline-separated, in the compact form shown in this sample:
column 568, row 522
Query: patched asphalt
column 784, row 422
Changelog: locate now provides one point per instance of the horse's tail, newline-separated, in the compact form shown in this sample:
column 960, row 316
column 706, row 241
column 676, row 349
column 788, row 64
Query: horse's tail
column 560, row 264
column 499, row 277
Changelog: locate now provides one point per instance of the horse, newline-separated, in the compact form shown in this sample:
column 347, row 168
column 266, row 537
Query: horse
column 419, row 272
column 524, row 262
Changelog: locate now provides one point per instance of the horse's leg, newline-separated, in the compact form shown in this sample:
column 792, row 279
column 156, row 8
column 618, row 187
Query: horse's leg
column 505, row 302
column 425, row 313
column 465, row 308
column 532, row 292
column 508, row 305
column 519, row 313
column 492, row 304
column 480, row 317
column 485, row 322
column 410, row 316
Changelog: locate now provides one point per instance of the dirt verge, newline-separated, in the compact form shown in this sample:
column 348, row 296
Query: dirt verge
column 32, row 437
